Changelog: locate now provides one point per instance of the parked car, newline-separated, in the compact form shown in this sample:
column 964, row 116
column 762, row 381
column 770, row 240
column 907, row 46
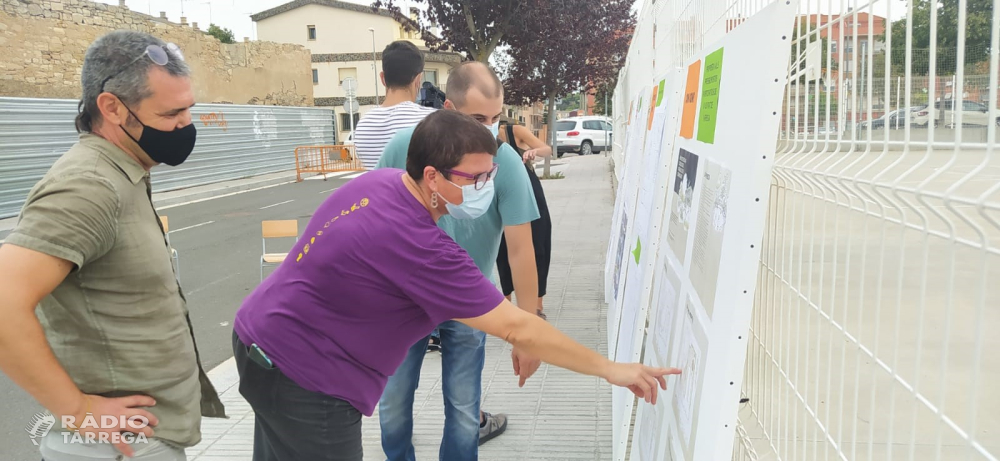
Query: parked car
column 826, row 129
column 583, row 135
column 973, row 114
column 895, row 120
column 876, row 124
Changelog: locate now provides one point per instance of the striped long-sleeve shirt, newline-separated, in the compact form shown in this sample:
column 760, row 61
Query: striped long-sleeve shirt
column 380, row 124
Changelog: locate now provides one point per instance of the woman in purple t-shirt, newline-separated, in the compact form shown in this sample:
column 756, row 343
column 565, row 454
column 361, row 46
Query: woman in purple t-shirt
column 373, row 274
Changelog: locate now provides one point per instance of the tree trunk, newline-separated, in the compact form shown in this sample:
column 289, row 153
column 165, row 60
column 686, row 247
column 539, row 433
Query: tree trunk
column 552, row 133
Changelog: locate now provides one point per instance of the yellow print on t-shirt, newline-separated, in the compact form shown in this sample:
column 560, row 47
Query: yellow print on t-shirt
column 312, row 241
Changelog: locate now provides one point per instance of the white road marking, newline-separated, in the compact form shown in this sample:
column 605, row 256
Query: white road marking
column 329, row 175
column 216, row 282
column 223, row 195
column 190, row 227
column 276, row 204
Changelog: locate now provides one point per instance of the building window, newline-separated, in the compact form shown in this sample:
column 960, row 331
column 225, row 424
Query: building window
column 347, row 72
column 431, row 76
column 345, row 121
column 833, row 46
column 312, row 32
column 315, row 76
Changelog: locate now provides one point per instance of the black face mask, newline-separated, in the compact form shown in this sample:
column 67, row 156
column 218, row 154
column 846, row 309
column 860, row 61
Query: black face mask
column 167, row 147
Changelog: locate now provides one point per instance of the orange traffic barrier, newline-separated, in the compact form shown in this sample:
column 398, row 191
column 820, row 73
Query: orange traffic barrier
column 325, row 159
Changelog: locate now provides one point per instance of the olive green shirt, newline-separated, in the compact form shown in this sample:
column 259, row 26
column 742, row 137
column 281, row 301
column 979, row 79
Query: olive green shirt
column 119, row 322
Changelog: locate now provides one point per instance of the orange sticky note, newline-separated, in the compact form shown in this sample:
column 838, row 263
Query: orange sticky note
column 690, row 100
column 652, row 108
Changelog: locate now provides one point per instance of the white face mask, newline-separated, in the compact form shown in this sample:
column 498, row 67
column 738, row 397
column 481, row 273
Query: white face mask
column 495, row 129
column 474, row 204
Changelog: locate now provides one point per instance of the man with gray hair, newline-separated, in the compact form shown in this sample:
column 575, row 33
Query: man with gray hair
column 112, row 346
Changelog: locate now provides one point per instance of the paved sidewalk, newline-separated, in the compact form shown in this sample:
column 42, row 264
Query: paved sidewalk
column 558, row 415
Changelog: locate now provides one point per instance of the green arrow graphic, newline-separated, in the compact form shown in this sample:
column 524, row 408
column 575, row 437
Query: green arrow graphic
column 638, row 250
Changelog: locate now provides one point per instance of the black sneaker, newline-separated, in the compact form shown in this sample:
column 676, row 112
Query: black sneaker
column 495, row 425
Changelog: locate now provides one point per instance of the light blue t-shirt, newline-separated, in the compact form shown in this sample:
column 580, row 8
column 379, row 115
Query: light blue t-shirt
column 513, row 203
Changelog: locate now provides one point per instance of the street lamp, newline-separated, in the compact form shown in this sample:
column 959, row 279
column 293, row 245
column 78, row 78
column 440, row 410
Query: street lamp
column 374, row 65
column 209, row 3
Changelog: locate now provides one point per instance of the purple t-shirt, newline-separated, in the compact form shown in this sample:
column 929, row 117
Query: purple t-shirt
column 371, row 275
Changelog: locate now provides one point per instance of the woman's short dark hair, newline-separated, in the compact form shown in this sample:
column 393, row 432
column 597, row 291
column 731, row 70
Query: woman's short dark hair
column 401, row 63
column 443, row 138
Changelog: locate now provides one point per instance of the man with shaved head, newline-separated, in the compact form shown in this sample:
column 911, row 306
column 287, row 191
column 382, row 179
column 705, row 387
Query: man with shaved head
column 473, row 89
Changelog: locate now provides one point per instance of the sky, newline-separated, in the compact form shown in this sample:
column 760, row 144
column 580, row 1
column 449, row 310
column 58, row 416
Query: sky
column 235, row 14
column 231, row 14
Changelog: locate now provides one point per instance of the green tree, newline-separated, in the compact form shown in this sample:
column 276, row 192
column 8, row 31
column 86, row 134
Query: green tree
column 978, row 26
column 608, row 91
column 474, row 28
column 223, row 34
column 569, row 102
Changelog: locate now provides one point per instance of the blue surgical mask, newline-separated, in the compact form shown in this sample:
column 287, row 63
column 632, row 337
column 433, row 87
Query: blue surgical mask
column 495, row 129
column 474, row 202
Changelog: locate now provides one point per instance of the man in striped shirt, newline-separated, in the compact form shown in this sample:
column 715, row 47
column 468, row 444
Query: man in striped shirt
column 402, row 75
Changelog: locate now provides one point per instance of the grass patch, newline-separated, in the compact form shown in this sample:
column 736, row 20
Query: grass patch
column 556, row 175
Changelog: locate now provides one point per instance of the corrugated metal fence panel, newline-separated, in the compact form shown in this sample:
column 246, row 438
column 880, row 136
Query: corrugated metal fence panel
column 233, row 142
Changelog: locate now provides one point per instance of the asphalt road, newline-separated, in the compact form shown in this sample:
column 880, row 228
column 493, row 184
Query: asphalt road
column 219, row 244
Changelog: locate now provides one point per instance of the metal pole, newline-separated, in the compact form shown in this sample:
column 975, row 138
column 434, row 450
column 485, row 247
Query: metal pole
column 374, row 64
column 551, row 135
column 607, row 142
column 899, row 110
column 350, row 115
column 209, row 3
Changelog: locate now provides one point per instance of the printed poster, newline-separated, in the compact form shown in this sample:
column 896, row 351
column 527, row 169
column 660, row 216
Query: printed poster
column 650, row 437
column 621, row 253
column 664, row 312
column 707, row 250
column 691, row 361
column 682, row 206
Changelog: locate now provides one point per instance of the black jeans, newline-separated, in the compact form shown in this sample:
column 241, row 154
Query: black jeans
column 293, row 423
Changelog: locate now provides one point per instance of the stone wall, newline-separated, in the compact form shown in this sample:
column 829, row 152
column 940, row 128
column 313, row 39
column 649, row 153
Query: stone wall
column 42, row 44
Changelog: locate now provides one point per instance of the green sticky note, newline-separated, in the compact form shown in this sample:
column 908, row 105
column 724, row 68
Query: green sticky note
column 659, row 94
column 638, row 250
column 710, row 97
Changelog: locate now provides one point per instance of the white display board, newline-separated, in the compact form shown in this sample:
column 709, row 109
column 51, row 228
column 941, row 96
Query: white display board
column 621, row 246
column 650, row 171
column 616, row 266
column 689, row 220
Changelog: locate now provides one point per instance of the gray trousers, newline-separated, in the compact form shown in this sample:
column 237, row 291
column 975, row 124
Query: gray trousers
column 54, row 447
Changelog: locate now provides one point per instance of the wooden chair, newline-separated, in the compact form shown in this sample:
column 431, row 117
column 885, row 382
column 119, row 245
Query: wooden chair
column 275, row 229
